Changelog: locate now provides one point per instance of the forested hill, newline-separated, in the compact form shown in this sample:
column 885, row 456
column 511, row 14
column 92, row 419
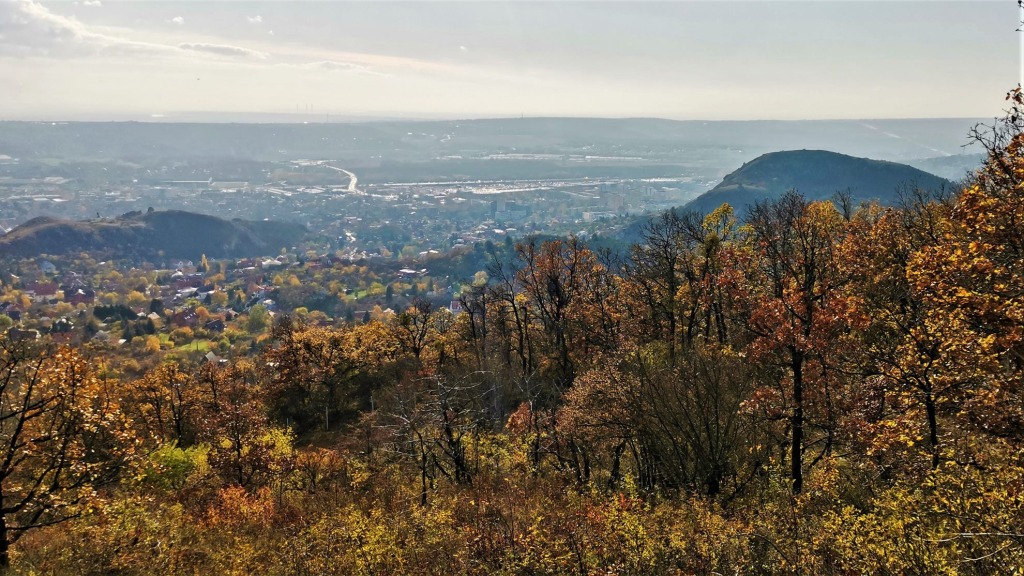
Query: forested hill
column 170, row 233
column 817, row 175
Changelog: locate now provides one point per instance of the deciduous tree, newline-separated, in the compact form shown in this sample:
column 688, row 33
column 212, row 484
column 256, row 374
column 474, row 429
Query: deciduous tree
column 62, row 435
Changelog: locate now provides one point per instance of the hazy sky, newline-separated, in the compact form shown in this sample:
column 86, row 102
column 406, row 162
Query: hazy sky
column 100, row 59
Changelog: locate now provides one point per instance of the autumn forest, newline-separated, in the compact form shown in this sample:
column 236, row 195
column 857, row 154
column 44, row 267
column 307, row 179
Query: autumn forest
column 808, row 388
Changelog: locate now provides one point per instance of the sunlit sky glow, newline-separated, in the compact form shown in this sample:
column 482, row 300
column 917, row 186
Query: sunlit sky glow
column 99, row 59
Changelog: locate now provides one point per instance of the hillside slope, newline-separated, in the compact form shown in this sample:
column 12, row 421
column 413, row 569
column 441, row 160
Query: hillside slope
column 818, row 175
column 167, row 234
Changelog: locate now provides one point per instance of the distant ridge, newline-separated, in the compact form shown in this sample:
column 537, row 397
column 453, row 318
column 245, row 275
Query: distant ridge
column 152, row 235
column 817, row 175
column 399, row 140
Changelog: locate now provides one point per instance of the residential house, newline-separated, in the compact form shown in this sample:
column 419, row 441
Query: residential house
column 42, row 289
column 216, row 325
column 17, row 334
column 80, row 296
column 186, row 317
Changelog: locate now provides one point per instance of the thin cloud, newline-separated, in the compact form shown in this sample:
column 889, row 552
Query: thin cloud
column 27, row 29
column 223, row 50
column 373, row 61
column 257, row 19
column 178, row 20
column 92, row 3
column 336, row 66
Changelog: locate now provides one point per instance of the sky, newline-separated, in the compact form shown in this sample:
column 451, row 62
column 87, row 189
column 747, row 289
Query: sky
column 709, row 60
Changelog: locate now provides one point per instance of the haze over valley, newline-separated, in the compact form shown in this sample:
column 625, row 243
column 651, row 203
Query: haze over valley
column 442, row 183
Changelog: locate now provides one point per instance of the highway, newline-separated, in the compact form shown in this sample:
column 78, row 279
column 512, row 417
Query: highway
column 353, row 179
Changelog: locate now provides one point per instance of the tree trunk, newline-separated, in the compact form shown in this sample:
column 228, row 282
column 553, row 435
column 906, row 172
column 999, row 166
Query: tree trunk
column 797, row 421
column 5, row 555
column 933, row 428
column 423, row 479
column 615, row 476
